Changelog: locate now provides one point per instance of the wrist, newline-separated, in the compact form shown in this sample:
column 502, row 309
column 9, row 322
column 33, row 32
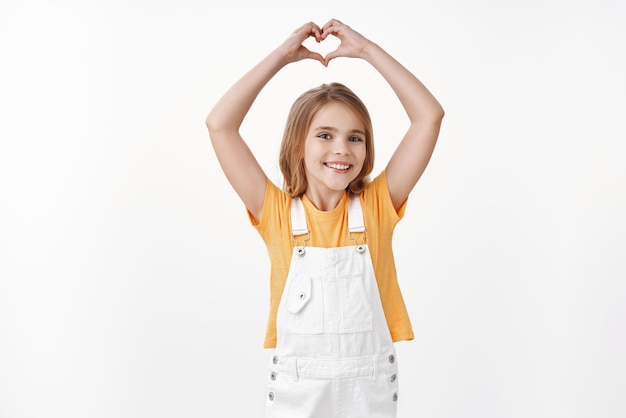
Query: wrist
column 280, row 57
column 369, row 50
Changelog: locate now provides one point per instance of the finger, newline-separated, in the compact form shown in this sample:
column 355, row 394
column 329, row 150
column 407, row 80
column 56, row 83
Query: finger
column 309, row 30
column 314, row 31
column 328, row 30
column 332, row 22
column 333, row 27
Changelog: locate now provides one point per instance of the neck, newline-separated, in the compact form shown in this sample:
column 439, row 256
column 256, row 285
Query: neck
column 326, row 201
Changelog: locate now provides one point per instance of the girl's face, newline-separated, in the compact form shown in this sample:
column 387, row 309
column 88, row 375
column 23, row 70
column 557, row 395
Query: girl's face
column 334, row 149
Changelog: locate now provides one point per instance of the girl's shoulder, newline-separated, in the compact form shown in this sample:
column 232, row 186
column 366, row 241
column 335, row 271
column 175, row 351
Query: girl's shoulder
column 376, row 199
column 275, row 204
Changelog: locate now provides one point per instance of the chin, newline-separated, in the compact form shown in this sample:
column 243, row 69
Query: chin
column 340, row 188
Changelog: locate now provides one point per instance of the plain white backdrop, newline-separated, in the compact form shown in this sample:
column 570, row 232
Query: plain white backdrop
column 132, row 285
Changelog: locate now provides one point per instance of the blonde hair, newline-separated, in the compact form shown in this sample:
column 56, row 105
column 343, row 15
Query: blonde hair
column 303, row 110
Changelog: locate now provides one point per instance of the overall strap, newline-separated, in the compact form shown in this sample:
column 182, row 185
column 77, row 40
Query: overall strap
column 355, row 214
column 298, row 217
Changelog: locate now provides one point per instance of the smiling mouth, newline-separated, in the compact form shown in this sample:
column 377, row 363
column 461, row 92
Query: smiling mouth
column 338, row 166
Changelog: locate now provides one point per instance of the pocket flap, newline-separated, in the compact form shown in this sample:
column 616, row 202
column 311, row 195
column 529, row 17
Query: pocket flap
column 299, row 294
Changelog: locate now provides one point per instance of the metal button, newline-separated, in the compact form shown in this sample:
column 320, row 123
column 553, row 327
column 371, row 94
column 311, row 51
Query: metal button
column 275, row 360
column 271, row 396
column 273, row 376
column 395, row 396
column 393, row 378
column 302, row 295
column 300, row 251
column 392, row 359
column 360, row 248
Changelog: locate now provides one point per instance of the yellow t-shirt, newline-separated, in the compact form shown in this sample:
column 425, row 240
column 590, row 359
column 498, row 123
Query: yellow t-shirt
column 330, row 229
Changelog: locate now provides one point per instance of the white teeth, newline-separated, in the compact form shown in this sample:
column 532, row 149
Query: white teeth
column 338, row 166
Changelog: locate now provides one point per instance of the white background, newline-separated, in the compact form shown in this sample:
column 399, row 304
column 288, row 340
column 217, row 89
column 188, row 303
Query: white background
column 132, row 285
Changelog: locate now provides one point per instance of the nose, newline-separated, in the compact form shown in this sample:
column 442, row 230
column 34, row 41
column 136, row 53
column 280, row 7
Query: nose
column 341, row 147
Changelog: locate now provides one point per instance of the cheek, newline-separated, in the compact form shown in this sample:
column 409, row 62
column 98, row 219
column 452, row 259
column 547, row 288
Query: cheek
column 362, row 156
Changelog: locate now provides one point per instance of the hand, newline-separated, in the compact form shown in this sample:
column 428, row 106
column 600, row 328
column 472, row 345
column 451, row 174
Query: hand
column 352, row 43
column 295, row 51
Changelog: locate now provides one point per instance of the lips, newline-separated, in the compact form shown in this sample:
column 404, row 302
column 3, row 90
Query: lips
column 338, row 166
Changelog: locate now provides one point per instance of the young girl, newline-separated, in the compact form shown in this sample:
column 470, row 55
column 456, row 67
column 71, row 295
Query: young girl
column 335, row 306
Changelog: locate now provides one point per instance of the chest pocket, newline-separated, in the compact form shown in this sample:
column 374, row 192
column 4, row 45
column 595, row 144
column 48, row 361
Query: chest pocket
column 327, row 305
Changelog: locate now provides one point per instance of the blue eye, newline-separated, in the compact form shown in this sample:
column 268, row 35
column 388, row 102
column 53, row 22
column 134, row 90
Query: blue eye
column 324, row 136
column 355, row 139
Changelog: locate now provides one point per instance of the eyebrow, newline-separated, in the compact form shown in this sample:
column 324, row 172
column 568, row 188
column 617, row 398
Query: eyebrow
column 332, row 129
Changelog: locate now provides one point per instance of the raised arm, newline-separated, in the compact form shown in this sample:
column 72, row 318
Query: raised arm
column 412, row 155
column 237, row 161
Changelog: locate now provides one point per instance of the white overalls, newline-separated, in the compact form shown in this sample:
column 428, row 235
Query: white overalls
column 334, row 356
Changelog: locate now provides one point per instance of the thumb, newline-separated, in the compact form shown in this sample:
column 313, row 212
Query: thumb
column 316, row 56
column 331, row 56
